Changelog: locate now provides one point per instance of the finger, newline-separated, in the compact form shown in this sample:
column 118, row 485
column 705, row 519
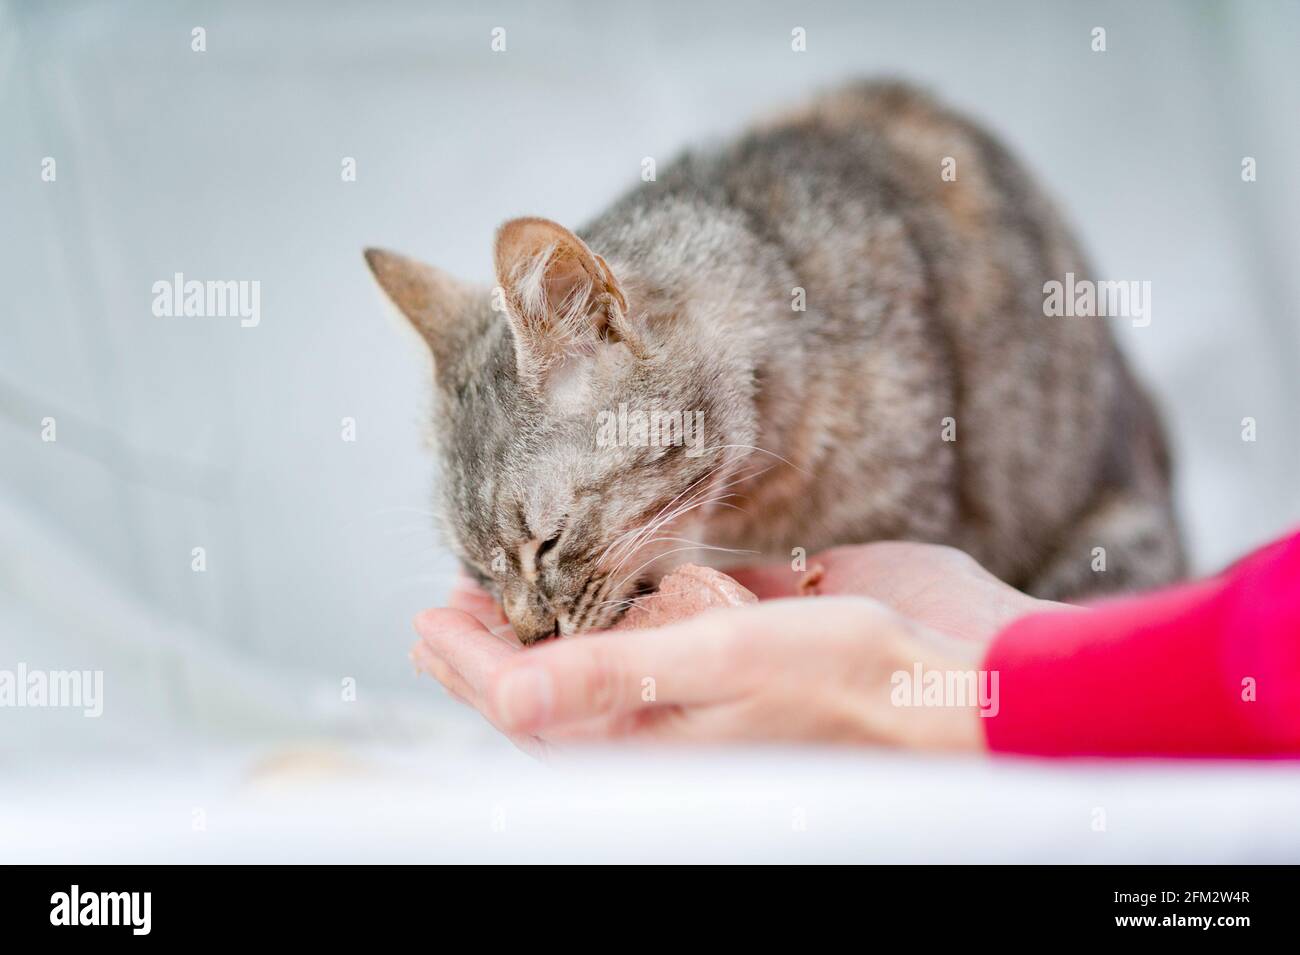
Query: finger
column 664, row 724
column 454, row 684
column 574, row 680
column 532, row 746
column 426, row 662
column 640, row 724
column 450, row 632
column 463, row 644
column 468, row 596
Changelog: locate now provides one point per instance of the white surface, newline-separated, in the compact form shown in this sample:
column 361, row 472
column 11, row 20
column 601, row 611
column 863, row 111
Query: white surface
column 176, row 433
column 448, row 805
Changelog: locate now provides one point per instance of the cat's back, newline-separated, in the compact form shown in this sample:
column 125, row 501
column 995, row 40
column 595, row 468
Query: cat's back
column 878, row 158
column 914, row 230
column 918, row 246
column 871, row 189
column 1049, row 421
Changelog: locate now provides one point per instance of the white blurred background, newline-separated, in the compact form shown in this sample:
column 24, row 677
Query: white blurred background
column 176, row 433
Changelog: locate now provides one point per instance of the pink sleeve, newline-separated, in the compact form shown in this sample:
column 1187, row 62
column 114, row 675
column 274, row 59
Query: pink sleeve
column 1205, row 669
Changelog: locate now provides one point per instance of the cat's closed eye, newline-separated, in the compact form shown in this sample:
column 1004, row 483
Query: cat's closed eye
column 551, row 541
column 548, row 544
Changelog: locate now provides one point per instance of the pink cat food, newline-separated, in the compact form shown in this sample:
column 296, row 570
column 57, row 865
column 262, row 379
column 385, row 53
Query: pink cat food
column 687, row 591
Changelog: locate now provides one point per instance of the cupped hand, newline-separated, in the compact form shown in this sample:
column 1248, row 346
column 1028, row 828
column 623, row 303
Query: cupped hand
column 814, row 670
column 820, row 668
column 941, row 587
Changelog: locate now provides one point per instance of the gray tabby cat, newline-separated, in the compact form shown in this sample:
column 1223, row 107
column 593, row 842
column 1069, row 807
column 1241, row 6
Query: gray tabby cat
column 921, row 393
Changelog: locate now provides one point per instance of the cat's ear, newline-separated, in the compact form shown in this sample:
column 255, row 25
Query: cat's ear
column 432, row 301
column 562, row 299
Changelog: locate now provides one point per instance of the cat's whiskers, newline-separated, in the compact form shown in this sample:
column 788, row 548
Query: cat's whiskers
column 667, row 553
column 664, row 516
column 647, row 527
column 753, row 447
column 630, row 538
column 693, row 545
column 691, row 504
column 405, row 508
column 630, row 601
column 685, row 508
column 698, row 500
column 406, row 530
column 630, row 542
column 627, row 603
column 424, row 514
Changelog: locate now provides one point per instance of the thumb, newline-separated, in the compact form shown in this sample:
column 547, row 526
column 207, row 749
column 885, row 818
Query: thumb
column 464, row 645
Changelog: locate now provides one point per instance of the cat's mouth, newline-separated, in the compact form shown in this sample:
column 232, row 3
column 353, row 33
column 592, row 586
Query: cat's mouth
column 644, row 587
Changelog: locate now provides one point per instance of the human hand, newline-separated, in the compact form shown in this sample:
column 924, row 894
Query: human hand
column 813, row 670
column 941, row 587
column 945, row 607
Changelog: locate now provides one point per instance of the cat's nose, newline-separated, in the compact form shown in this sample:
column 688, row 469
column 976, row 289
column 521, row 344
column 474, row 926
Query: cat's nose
column 536, row 627
column 530, row 614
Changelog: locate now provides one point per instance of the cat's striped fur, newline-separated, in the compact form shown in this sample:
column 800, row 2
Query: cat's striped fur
column 924, row 302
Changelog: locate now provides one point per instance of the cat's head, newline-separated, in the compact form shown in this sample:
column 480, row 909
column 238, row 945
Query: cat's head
column 583, row 433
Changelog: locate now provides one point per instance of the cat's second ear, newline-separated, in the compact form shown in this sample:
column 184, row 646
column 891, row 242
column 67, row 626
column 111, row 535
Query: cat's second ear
column 562, row 298
column 432, row 301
